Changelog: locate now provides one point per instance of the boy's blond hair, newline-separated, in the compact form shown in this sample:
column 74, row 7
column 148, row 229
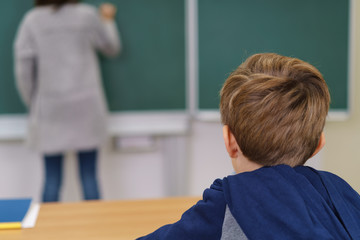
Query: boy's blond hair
column 276, row 107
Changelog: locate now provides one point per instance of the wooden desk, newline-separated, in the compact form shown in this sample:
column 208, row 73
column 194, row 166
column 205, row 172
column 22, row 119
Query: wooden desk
column 102, row 220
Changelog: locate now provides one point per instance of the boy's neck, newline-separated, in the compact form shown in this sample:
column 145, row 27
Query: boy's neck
column 242, row 164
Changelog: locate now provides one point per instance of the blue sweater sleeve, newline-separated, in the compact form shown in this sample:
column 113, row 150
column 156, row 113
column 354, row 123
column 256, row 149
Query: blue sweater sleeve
column 202, row 221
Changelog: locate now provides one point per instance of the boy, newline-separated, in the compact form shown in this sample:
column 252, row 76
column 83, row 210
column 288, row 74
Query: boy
column 273, row 109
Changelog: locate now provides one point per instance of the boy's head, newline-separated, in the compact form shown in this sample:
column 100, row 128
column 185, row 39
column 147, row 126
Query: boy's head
column 275, row 107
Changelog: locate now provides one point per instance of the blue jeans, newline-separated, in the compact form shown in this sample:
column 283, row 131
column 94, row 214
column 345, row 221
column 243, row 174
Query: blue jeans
column 87, row 170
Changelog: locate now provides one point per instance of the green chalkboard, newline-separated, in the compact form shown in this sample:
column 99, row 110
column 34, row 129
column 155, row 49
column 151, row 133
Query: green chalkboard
column 11, row 13
column 148, row 75
column 316, row 31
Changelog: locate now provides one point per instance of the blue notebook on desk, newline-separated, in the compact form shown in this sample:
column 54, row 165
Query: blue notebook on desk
column 14, row 212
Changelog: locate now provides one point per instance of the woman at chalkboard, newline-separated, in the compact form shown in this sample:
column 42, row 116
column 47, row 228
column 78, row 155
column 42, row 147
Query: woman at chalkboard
column 58, row 77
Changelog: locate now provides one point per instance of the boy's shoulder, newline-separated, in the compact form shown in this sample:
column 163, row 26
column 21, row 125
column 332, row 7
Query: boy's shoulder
column 334, row 183
column 329, row 179
column 284, row 192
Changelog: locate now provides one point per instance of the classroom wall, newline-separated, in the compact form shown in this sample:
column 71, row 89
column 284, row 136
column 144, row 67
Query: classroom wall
column 342, row 149
column 125, row 175
column 128, row 175
column 121, row 175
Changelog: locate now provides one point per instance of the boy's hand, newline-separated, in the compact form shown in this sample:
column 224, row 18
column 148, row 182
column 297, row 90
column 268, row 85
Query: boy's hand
column 107, row 11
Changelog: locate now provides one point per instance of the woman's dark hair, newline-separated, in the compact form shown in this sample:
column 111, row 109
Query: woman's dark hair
column 56, row 3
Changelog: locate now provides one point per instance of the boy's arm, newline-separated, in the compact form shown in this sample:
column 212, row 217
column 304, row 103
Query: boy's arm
column 202, row 221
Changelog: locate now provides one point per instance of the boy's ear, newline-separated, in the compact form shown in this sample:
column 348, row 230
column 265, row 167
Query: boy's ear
column 320, row 145
column 230, row 142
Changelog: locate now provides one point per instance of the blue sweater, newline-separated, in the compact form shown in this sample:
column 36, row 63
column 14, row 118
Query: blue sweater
column 271, row 203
